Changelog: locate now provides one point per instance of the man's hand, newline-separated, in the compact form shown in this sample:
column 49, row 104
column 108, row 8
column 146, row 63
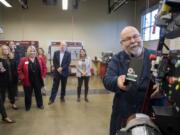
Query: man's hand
column 59, row 69
column 120, row 82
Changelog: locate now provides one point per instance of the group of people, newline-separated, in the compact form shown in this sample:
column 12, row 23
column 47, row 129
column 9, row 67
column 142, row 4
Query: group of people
column 27, row 69
column 31, row 71
column 61, row 62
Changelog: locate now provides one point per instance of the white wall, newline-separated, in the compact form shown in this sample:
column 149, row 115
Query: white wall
column 1, row 21
column 91, row 24
column 151, row 44
column 174, row 44
column 0, row 14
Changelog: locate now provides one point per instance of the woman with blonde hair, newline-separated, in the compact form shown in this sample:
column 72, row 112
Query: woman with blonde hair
column 6, row 81
column 7, row 75
column 31, row 71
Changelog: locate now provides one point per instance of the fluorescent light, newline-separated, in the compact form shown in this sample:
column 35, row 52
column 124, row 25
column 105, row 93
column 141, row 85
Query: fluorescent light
column 5, row 3
column 64, row 4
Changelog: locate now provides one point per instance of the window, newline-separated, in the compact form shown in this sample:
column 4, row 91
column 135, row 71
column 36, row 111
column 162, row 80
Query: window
column 147, row 26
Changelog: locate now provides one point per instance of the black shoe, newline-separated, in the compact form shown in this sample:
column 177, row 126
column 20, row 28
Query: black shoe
column 78, row 100
column 8, row 120
column 86, row 100
column 62, row 99
column 27, row 109
column 41, row 107
column 44, row 94
column 50, row 102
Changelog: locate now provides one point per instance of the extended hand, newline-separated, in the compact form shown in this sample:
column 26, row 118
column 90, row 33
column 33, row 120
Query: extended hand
column 120, row 82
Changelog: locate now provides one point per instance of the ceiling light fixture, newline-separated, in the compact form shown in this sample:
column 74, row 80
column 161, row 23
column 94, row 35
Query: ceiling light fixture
column 5, row 3
column 64, row 4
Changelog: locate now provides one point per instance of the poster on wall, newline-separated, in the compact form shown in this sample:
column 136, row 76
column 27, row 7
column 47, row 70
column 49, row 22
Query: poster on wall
column 53, row 46
column 74, row 48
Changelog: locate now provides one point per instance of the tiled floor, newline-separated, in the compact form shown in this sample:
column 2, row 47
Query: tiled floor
column 69, row 118
column 95, row 85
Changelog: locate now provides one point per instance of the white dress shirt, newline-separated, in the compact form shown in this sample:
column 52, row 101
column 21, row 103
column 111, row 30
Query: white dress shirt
column 61, row 57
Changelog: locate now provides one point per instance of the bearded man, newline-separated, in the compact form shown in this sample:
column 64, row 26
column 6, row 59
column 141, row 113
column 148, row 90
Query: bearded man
column 128, row 99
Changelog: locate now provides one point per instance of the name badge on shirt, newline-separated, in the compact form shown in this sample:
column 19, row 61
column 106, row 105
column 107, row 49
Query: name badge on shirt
column 27, row 62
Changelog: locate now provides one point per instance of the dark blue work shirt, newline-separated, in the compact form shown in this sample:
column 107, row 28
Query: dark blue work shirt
column 129, row 102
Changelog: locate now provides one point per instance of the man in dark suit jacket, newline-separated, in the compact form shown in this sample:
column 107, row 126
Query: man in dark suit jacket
column 61, row 62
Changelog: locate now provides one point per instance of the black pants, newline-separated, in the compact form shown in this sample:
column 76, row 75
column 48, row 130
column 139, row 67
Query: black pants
column 2, row 108
column 16, row 89
column 56, row 81
column 28, row 96
column 11, row 93
column 86, row 85
column 115, row 123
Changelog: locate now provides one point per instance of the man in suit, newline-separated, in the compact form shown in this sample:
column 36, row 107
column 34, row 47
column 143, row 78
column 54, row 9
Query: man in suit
column 61, row 62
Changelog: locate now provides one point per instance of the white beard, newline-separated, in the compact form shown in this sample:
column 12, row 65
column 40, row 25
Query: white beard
column 135, row 50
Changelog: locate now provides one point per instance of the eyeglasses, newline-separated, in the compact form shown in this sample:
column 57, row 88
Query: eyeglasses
column 128, row 39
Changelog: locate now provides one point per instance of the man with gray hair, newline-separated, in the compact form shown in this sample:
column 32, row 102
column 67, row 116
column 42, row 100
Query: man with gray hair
column 128, row 98
column 61, row 62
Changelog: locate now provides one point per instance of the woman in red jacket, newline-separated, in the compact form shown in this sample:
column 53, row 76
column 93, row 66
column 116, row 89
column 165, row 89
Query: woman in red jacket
column 42, row 55
column 31, row 71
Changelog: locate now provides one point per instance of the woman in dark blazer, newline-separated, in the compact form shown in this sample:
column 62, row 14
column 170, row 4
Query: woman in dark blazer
column 6, row 81
column 7, row 75
column 31, row 71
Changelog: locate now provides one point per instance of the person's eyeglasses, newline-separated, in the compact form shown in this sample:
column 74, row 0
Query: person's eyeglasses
column 135, row 37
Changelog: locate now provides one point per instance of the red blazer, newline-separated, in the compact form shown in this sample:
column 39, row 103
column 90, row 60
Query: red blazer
column 23, row 71
column 43, row 57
